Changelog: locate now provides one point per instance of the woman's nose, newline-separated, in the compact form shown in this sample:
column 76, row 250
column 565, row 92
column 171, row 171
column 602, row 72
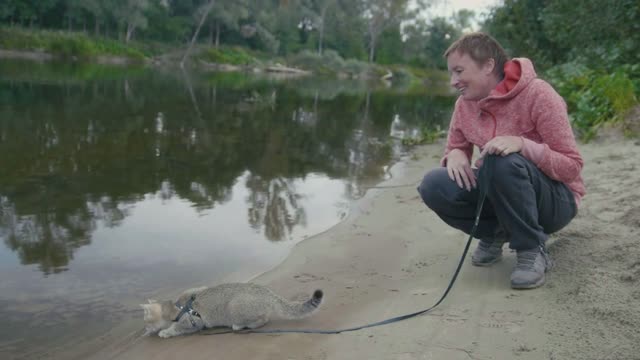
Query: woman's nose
column 453, row 80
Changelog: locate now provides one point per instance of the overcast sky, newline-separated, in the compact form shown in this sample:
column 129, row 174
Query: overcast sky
column 445, row 8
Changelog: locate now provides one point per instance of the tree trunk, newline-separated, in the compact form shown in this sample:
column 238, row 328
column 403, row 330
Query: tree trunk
column 130, row 29
column 195, row 35
column 321, row 35
column 321, row 40
column 372, row 48
column 217, row 34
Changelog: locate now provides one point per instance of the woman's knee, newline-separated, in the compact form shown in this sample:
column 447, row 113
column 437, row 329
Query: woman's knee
column 430, row 188
column 506, row 167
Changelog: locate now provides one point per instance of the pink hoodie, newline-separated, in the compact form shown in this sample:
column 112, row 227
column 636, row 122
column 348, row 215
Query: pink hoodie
column 521, row 105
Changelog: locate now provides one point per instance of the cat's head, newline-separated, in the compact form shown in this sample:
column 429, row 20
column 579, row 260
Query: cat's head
column 158, row 315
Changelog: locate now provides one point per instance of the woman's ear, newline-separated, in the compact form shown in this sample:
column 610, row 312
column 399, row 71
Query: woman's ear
column 489, row 66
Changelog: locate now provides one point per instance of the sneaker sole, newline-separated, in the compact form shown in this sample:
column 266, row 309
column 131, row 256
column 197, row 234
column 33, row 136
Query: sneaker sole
column 529, row 286
column 486, row 263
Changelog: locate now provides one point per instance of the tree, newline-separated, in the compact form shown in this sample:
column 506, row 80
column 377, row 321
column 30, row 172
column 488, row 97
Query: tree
column 29, row 10
column 321, row 7
column 96, row 9
column 604, row 33
column 205, row 13
column 131, row 15
column 462, row 19
column 345, row 30
column 8, row 10
column 518, row 25
column 382, row 14
column 73, row 12
column 227, row 14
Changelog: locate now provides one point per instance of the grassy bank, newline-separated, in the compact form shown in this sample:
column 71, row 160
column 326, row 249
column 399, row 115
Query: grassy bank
column 68, row 45
column 597, row 97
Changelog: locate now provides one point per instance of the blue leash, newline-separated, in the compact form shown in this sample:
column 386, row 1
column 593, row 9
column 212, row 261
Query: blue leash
column 483, row 181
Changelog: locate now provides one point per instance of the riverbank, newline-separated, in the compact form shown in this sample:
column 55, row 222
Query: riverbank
column 393, row 256
column 43, row 45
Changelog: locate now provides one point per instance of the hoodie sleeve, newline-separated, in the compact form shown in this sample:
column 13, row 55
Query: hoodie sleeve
column 456, row 138
column 559, row 157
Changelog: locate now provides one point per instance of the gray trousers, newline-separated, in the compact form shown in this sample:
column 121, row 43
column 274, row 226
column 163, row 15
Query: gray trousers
column 521, row 201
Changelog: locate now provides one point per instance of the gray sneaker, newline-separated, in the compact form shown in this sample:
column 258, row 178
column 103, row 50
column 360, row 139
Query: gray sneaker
column 530, row 268
column 487, row 252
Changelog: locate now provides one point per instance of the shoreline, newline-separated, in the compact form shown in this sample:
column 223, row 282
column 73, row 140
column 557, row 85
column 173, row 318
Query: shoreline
column 393, row 256
column 42, row 56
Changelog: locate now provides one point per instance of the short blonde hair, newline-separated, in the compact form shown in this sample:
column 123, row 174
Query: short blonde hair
column 480, row 47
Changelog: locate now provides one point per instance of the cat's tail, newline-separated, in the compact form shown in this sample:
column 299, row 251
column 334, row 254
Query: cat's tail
column 297, row 310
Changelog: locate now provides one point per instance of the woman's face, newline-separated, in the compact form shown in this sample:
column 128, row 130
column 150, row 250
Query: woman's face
column 473, row 81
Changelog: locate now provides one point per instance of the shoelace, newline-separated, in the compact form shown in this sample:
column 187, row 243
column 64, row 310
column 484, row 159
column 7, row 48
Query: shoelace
column 526, row 259
column 487, row 246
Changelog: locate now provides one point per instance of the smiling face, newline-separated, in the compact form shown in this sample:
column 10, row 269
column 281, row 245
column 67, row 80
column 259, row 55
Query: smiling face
column 473, row 81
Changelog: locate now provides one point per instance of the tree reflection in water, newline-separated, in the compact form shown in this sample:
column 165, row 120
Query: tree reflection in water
column 82, row 149
column 273, row 204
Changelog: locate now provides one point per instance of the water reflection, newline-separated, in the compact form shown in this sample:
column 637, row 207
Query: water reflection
column 118, row 184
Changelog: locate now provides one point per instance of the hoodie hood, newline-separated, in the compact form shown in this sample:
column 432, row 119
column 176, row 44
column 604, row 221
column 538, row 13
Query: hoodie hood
column 518, row 74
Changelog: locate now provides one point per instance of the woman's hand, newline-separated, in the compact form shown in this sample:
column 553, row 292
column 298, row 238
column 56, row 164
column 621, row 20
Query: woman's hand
column 459, row 169
column 502, row 145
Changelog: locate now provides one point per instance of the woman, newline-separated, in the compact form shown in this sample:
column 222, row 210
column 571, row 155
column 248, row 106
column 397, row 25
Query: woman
column 508, row 113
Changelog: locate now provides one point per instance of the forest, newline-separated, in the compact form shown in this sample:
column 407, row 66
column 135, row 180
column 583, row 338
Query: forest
column 588, row 49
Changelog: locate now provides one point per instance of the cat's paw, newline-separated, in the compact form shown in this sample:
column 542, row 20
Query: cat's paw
column 165, row 334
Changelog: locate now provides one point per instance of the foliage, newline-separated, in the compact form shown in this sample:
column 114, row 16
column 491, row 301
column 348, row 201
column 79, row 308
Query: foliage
column 518, row 25
column 383, row 14
column 601, row 33
column 358, row 29
column 355, row 67
column 390, row 48
column 594, row 97
column 329, row 62
column 426, row 41
column 428, row 135
column 588, row 52
column 441, row 35
column 65, row 44
column 228, row 55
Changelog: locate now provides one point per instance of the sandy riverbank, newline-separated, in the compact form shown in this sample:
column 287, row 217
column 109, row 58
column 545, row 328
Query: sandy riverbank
column 393, row 256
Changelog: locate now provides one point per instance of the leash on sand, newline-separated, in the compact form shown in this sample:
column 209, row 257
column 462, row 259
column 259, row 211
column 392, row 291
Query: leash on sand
column 483, row 180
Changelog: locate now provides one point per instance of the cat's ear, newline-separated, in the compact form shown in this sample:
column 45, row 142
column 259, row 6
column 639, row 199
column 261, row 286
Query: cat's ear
column 147, row 310
column 151, row 301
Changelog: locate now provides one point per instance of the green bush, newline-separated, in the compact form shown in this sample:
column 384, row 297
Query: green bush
column 65, row 44
column 328, row 63
column 355, row 67
column 427, row 135
column 67, row 47
column 594, row 97
column 228, row 55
